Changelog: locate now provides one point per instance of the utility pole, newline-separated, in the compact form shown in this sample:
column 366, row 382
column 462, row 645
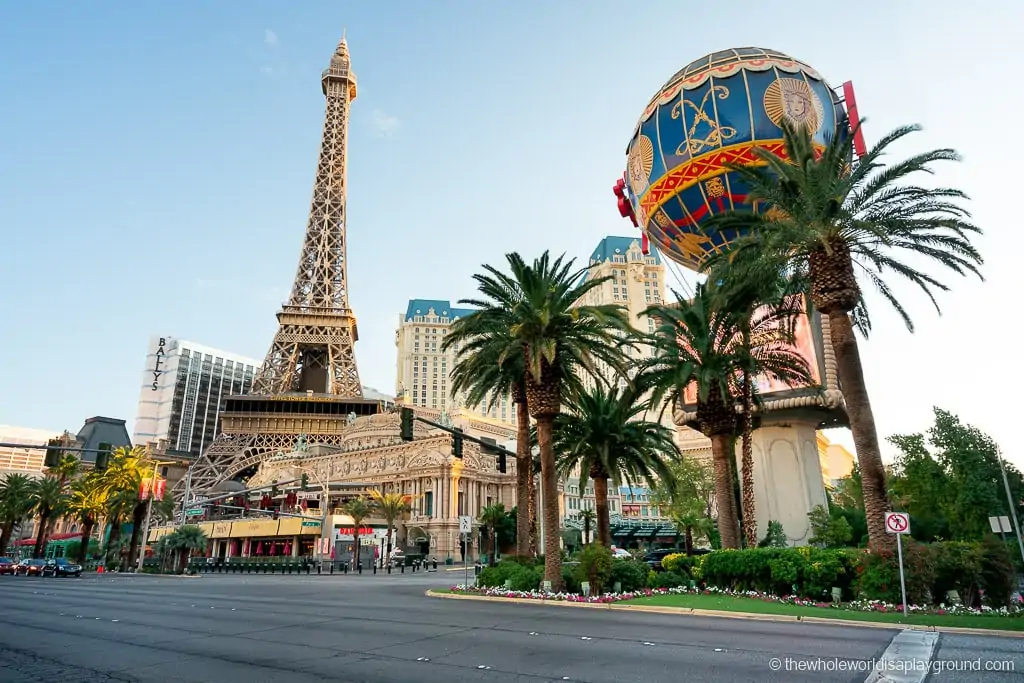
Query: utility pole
column 144, row 539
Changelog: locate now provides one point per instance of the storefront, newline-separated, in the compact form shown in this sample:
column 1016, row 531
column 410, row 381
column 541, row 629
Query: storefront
column 289, row 537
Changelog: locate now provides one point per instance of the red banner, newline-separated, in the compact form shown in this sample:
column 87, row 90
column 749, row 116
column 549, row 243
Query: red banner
column 147, row 487
column 158, row 491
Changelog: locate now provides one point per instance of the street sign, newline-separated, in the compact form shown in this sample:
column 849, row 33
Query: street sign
column 897, row 522
column 465, row 524
column 1000, row 525
column 194, row 512
column 308, row 523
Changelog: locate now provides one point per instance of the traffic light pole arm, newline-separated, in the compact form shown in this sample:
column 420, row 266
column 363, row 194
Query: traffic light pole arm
column 43, row 447
column 466, row 437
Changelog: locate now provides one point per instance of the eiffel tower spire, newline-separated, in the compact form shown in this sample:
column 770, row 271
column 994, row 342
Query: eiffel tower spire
column 314, row 348
column 309, row 383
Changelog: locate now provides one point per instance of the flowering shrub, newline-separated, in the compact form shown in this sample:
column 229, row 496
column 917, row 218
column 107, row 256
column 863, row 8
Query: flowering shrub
column 852, row 606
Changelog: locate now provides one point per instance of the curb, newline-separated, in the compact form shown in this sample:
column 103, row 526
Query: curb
column 747, row 616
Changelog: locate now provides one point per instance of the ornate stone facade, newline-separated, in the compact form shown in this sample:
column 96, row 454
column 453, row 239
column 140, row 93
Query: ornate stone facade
column 371, row 451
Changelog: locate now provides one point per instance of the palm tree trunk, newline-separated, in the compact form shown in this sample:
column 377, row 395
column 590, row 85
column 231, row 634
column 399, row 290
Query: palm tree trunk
column 747, row 469
column 387, row 555
column 113, row 550
column 88, row 525
column 862, row 424
column 604, row 522
column 586, row 530
column 725, row 499
column 688, row 543
column 138, row 514
column 355, row 550
column 533, row 513
column 549, row 489
column 41, row 536
column 524, row 481
column 494, row 544
column 5, row 536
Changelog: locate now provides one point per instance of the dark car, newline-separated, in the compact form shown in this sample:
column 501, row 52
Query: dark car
column 654, row 558
column 30, row 568
column 7, row 565
column 61, row 567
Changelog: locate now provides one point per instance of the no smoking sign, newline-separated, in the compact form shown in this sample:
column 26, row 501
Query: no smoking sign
column 897, row 522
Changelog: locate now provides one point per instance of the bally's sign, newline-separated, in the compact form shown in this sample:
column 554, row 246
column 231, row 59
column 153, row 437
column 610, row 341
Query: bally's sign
column 161, row 354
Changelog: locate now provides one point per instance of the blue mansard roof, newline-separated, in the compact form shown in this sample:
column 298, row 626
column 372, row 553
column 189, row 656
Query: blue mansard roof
column 442, row 309
column 611, row 246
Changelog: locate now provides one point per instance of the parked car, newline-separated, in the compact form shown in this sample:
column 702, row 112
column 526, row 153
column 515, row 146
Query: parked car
column 30, row 567
column 61, row 567
column 620, row 553
column 7, row 565
column 654, row 558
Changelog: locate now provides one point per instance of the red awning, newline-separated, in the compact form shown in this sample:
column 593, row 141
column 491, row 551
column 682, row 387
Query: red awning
column 55, row 537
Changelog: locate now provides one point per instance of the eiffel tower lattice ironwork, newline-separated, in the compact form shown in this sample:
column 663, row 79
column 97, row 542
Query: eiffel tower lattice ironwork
column 309, row 383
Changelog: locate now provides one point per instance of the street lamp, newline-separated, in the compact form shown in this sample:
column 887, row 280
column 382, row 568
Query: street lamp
column 149, row 511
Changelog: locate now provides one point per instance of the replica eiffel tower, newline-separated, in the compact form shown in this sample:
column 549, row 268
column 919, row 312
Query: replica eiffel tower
column 309, row 383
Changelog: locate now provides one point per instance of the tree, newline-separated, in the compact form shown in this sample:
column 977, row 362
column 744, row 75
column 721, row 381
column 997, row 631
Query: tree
column 185, row 540
column 558, row 340
column 492, row 517
column 690, row 501
column 745, row 283
column 587, row 517
column 828, row 531
column 88, row 502
column 16, row 503
column 701, row 342
column 48, row 501
column 390, row 506
column 950, row 479
column 358, row 509
column 489, row 365
column 841, row 225
column 604, row 437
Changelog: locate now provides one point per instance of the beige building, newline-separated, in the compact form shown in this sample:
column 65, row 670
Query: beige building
column 423, row 369
column 24, row 460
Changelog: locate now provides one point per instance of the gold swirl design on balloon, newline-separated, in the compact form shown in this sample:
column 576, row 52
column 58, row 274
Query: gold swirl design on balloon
column 717, row 133
column 640, row 163
column 794, row 101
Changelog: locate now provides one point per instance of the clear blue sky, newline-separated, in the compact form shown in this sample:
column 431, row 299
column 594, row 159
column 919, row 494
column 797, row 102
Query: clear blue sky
column 156, row 161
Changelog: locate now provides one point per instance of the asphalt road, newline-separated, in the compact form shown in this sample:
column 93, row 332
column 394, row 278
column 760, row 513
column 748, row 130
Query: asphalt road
column 382, row 629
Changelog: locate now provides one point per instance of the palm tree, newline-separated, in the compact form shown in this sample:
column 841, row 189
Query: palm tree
column 390, row 506
column 48, row 500
column 126, row 470
column 15, row 505
column 844, row 225
column 88, row 501
column 698, row 342
column 489, row 365
column 120, row 503
column 744, row 284
column 604, row 438
column 67, row 467
column 558, row 340
column 587, row 517
column 185, row 540
column 491, row 516
column 358, row 509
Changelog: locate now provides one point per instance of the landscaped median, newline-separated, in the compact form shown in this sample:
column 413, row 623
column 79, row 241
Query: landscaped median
column 756, row 605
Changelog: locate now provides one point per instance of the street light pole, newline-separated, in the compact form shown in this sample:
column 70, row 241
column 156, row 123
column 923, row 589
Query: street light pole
column 1013, row 507
column 325, row 504
column 145, row 528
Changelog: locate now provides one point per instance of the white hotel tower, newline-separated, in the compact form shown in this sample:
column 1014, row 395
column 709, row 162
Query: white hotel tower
column 183, row 388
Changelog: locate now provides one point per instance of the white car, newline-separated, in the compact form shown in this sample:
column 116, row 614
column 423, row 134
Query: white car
column 620, row 553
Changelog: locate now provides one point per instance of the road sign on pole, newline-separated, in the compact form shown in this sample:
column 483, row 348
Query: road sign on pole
column 899, row 523
column 465, row 524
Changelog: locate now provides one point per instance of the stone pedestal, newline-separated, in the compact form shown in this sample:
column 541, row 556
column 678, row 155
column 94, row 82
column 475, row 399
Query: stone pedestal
column 787, row 476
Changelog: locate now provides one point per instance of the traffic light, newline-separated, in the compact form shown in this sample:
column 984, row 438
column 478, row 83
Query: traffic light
column 52, row 453
column 304, row 482
column 503, row 462
column 102, row 456
column 407, row 420
column 457, row 443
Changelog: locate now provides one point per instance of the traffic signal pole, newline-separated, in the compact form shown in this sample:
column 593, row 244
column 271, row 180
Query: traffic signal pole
column 488, row 448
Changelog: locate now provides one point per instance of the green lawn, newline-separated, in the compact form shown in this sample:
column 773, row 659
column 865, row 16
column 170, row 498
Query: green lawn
column 727, row 603
column 735, row 604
